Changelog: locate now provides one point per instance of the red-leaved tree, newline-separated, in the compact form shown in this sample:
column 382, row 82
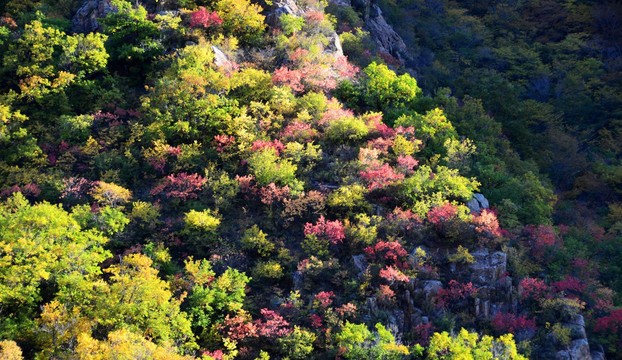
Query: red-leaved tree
column 324, row 229
column 204, row 18
column 179, row 186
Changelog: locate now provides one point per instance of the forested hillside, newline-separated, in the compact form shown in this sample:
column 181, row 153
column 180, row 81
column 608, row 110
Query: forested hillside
column 302, row 179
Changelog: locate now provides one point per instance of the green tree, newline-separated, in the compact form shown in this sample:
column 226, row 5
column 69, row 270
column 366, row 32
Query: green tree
column 43, row 246
column 138, row 300
column 468, row 346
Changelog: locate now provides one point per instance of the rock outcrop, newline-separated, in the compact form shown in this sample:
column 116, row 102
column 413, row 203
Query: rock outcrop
column 579, row 348
column 279, row 8
column 383, row 34
column 478, row 203
column 488, row 267
column 85, row 19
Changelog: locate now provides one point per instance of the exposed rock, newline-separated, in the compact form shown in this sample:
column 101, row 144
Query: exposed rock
column 334, row 46
column 473, row 205
column 297, row 279
column 578, row 350
column 220, row 58
column 478, row 203
column 488, row 267
column 341, row 2
column 372, row 305
column 577, row 325
column 359, row 263
column 279, row 8
column 85, row 19
column 483, row 202
column 598, row 355
column 383, row 34
column 431, row 288
column 397, row 324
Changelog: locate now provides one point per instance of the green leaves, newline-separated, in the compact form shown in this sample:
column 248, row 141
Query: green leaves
column 43, row 244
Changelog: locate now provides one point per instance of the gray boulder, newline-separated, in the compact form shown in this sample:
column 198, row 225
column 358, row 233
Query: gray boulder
column 478, row 203
column 488, row 267
column 578, row 350
column 85, row 19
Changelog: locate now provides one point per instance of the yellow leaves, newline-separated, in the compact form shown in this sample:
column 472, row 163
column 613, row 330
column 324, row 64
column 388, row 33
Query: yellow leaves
column 126, row 345
column 201, row 220
column 10, row 351
column 110, row 194
column 200, row 271
column 462, row 255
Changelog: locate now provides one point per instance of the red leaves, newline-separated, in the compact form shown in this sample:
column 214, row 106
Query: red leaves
column 316, row 321
column 181, row 186
column 506, row 322
column 392, row 253
column 287, row 77
column 273, row 324
column 223, row 142
column 454, row 293
column 298, row 131
column 441, row 214
column 314, row 76
column 331, row 230
column 204, row 18
column 569, row 284
column 540, row 239
column 486, row 222
column 379, row 176
column 263, row 144
column 272, row 193
column 407, row 163
column 325, row 298
column 531, row 288
column 611, row 323
column 392, row 275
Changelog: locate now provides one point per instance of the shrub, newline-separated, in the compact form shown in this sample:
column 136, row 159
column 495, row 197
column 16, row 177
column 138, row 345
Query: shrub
column 347, row 130
column 509, row 323
column 256, row 241
column 323, row 229
column 179, row 186
column 268, row 168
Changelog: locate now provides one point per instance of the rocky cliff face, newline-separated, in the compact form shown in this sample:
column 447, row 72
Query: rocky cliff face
column 387, row 39
column 85, row 19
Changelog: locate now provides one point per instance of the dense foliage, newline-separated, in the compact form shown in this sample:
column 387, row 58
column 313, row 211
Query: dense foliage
column 217, row 180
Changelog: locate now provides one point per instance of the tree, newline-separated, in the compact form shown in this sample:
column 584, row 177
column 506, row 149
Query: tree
column 138, row 300
column 358, row 342
column 110, row 194
column 45, row 60
column 242, row 19
column 132, row 39
column 269, row 168
column 43, row 246
column 468, row 346
column 125, row 344
column 213, row 298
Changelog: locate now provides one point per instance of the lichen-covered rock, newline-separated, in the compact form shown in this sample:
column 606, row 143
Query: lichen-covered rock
column 85, row 19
